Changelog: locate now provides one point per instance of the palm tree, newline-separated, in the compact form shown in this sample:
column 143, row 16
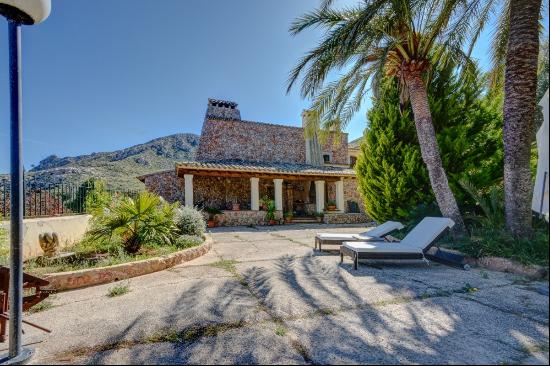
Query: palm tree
column 400, row 38
column 145, row 219
column 520, row 88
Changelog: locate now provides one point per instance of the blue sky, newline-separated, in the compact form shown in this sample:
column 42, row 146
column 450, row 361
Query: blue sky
column 103, row 75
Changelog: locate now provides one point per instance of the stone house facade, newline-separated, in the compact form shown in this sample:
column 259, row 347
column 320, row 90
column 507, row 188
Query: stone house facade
column 240, row 162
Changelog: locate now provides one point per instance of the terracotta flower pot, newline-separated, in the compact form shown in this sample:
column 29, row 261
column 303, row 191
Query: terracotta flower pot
column 272, row 222
column 236, row 207
column 211, row 223
column 331, row 208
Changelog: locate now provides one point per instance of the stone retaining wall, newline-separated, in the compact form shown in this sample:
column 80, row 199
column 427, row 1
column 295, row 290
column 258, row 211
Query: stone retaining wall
column 510, row 266
column 345, row 218
column 96, row 276
column 244, row 218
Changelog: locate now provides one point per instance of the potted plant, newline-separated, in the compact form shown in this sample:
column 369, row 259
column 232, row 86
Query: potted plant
column 288, row 217
column 319, row 216
column 331, row 205
column 212, row 212
column 270, row 214
column 264, row 201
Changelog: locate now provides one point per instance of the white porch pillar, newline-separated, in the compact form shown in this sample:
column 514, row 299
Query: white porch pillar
column 188, row 189
column 254, row 194
column 340, row 196
column 278, row 194
column 320, row 195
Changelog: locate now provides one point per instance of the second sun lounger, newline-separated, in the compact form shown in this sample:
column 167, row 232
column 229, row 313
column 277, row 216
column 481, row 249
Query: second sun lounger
column 375, row 234
column 413, row 246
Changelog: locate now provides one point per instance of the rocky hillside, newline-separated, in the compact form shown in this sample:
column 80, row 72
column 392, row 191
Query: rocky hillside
column 118, row 168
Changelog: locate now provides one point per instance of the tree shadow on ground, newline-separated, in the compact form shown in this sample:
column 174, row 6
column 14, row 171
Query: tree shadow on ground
column 386, row 313
column 340, row 321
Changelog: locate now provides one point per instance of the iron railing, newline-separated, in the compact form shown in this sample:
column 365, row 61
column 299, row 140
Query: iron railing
column 45, row 200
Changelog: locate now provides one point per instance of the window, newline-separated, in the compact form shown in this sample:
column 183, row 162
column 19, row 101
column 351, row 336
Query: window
column 352, row 161
column 326, row 158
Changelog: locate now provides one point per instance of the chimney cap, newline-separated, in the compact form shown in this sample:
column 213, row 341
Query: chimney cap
column 222, row 103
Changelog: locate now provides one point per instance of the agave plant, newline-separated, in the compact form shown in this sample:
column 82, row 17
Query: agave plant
column 147, row 219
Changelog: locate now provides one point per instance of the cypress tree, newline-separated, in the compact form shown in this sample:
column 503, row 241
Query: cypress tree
column 391, row 175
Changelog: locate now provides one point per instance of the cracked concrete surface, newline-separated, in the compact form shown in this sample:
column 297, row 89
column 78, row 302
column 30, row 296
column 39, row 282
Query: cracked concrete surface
column 274, row 300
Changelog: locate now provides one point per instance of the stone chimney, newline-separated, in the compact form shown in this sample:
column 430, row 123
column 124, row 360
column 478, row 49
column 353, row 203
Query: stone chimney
column 314, row 154
column 222, row 109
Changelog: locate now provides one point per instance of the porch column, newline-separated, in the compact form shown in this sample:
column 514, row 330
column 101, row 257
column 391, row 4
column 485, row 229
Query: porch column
column 340, row 196
column 188, row 189
column 320, row 195
column 254, row 194
column 278, row 194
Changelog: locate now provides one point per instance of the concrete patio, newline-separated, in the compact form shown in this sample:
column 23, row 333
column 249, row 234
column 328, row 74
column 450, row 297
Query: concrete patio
column 262, row 295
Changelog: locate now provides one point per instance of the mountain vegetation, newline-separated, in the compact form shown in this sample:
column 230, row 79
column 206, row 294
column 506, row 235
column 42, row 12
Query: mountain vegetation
column 118, row 169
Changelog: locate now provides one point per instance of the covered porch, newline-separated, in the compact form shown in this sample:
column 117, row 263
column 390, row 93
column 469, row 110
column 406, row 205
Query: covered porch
column 298, row 188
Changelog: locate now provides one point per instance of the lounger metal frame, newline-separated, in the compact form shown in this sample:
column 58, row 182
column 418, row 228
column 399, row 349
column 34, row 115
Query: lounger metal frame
column 319, row 241
column 356, row 255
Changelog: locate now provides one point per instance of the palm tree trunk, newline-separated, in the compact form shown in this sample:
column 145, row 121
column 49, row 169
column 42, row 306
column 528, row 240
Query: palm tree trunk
column 430, row 150
column 520, row 88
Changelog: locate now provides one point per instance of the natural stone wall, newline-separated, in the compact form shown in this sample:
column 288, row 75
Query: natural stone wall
column 220, row 193
column 166, row 184
column 345, row 218
column 251, row 141
column 336, row 145
column 96, row 276
column 351, row 193
column 331, row 191
column 244, row 218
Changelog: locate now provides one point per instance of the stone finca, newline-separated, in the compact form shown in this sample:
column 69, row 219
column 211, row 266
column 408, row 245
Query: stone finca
column 239, row 161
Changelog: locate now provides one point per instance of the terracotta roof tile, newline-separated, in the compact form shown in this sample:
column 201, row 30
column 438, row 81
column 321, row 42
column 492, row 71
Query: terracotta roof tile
column 267, row 167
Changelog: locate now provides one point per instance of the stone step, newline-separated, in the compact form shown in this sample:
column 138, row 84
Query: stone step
column 304, row 220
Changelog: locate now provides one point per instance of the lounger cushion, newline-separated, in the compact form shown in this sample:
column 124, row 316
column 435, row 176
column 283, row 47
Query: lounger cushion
column 342, row 237
column 419, row 239
column 374, row 233
column 424, row 234
column 381, row 247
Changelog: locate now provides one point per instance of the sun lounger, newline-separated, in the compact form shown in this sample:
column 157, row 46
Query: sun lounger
column 413, row 246
column 375, row 234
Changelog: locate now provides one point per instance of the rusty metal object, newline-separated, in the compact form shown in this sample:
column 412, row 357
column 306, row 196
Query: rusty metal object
column 30, row 284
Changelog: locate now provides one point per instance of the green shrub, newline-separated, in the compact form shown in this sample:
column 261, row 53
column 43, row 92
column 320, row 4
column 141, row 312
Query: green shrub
column 190, row 221
column 119, row 290
column 489, row 209
column 148, row 219
column 212, row 212
column 188, row 241
column 497, row 242
column 91, row 197
column 4, row 247
column 270, row 210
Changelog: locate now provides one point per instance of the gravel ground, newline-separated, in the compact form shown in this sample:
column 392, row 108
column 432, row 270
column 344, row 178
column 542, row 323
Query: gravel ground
column 263, row 296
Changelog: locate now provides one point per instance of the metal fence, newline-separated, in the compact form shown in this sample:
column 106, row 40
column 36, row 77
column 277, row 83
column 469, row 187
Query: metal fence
column 43, row 200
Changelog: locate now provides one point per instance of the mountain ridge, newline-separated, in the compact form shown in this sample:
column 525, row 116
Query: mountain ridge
column 118, row 168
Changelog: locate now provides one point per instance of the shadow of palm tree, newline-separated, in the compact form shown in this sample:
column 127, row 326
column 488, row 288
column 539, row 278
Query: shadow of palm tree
column 340, row 322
